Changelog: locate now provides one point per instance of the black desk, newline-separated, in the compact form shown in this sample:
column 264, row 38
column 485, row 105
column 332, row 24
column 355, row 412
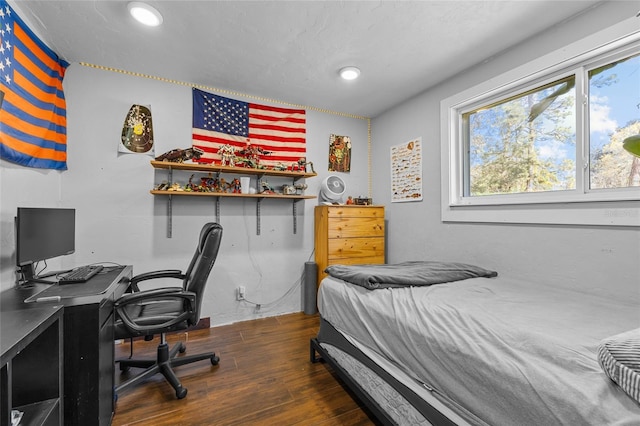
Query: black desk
column 88, row 344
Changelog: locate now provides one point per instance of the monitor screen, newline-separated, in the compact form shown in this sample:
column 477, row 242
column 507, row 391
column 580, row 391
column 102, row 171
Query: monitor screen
column 44, row 233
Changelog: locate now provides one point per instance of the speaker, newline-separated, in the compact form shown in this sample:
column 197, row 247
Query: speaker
column 310, row 288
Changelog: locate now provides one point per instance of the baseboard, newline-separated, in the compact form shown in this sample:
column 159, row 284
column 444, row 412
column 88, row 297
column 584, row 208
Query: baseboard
column 203, row 323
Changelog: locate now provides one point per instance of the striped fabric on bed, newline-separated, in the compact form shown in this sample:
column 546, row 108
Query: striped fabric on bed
column 619, row 357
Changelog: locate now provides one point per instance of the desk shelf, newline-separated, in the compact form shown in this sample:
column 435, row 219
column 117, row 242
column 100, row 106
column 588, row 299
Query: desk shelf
column 31, row 378
column 40, row 413
column 217, row 170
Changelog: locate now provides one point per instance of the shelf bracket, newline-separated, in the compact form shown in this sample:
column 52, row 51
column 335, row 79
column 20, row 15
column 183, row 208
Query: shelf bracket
column 258, row 216
column 295, row 216
column 169, row 217
column 170, row 207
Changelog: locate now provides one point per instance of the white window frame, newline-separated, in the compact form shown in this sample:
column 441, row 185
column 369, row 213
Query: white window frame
column 582, row 206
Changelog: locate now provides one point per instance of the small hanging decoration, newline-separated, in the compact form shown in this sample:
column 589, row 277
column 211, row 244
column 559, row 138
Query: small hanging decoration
column 339, row 153
column 137, row 132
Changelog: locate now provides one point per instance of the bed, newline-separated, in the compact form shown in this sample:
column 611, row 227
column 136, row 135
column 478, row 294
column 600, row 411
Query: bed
column 469, row 347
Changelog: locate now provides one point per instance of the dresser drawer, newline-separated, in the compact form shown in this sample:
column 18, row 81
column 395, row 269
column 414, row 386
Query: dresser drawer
column 351, row 211
column 341, row 248
column 346, row 227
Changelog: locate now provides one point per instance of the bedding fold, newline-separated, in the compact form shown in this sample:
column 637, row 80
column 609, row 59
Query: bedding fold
column 411, row 273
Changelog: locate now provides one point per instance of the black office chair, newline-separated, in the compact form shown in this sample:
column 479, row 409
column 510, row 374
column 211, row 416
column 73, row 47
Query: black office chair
column 161, row 310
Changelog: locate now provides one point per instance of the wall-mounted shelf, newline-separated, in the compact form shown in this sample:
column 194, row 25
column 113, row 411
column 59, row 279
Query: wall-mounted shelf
column 229, row 194
column 217, row 170
column 206, row 168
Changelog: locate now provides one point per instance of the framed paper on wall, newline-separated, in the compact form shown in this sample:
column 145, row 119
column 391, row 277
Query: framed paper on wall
column 406, row 171
column 339, row 153
column 137, row 131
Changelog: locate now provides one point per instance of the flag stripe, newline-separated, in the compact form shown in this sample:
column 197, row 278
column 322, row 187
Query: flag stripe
column 218, row 138
column 30, row 80
column 33, row 116
column 45, row 153
column 218, row 121
column 39, row 53
column 280, row 129
column 37, row 110
column 30, row 161
column 32, row 133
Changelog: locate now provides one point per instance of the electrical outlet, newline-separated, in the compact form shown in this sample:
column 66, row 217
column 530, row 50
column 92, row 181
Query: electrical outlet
column 240, row 292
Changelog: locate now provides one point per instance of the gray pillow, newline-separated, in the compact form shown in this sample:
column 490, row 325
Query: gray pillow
column 619, row 357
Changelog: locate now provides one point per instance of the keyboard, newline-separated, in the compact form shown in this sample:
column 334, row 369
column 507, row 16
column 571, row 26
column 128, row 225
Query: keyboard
column 80, row 275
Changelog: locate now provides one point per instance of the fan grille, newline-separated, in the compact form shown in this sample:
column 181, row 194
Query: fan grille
column 333, row 187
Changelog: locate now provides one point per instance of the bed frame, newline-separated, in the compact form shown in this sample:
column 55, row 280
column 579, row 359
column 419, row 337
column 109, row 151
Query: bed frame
column 329, row 335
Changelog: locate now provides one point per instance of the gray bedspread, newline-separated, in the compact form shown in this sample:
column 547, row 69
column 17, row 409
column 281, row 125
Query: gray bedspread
column 510, row 351
column 412, row 273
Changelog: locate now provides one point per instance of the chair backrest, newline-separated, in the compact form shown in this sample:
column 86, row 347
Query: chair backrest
column 197, row 273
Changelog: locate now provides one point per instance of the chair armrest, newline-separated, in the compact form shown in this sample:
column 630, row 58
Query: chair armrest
column 166, row 273
column 154, row 295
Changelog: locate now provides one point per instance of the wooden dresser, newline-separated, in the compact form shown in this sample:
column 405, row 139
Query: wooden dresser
column 348, row 235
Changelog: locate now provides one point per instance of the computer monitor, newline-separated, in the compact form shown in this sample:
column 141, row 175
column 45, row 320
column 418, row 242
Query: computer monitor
column 41, row 234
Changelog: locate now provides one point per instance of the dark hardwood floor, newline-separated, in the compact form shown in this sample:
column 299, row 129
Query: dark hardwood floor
column 264, row 378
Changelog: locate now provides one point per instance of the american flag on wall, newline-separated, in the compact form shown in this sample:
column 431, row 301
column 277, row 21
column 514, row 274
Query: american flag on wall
column 218, row 121
column 33, row 116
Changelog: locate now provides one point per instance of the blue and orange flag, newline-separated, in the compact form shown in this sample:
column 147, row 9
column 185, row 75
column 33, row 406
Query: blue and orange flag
column 33, row 112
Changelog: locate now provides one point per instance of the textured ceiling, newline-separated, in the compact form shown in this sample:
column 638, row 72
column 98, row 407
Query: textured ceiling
column 291, row 50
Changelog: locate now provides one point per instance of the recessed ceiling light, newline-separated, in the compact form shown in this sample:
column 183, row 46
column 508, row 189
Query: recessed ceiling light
column 349, row 73
column 145, row 14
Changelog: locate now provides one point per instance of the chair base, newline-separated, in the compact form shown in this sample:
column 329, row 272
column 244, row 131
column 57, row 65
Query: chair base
column 163, row 364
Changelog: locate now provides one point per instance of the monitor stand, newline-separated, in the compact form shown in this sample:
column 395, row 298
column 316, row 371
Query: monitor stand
column 26, row 276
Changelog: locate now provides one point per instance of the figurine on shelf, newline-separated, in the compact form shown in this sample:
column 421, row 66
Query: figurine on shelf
column 266, row 188
column 208, row 183
column 300, row 187
column 349, row 200
column 288, row 190
column 236, row 187
column 227, row 155
column 280, row 167
column 162, row 186
column 181, row 155
column 191, row 187
column 303, row 163
column 176, row 187
column 251, row 154
column 223, row 185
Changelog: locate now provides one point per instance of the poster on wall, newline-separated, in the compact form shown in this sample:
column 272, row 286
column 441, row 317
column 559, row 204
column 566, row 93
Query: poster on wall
column 339, row 153
column 137, row 131
column 406, row 171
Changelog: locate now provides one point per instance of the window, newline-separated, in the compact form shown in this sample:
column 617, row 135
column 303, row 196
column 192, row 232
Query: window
column 614, row 114
column 525, row 143
column 546, row 146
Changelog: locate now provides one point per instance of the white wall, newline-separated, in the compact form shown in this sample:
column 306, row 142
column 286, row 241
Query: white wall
column 590, row 257
column 119, row 221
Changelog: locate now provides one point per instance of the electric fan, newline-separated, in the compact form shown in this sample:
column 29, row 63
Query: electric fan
column 332, row 190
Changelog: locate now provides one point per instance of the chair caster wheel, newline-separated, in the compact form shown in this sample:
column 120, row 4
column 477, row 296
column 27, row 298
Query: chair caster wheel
column 183, row 348
column 215, row 359
column 181, row 393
